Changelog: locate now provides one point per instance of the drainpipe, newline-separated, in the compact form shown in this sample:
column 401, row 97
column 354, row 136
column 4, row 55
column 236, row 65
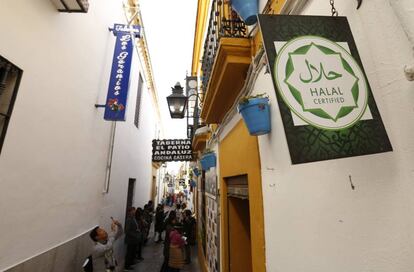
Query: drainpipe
column 404, row 10
column 109, row 159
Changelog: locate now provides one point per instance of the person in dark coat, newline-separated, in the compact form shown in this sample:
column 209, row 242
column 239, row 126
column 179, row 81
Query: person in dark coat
column 139, row 217
column 189, row 232
column 159, row 222
column 133, row 237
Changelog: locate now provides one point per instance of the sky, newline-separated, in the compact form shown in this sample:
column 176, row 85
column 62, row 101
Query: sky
column 169, row 29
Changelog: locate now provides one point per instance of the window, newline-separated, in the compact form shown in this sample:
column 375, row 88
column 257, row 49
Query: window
column 10, row 76
column 138, row 105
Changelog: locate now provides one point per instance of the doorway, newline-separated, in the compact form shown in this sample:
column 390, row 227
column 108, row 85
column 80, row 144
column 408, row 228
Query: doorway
column 130, row 195
column 241, row 189
column 239, row 239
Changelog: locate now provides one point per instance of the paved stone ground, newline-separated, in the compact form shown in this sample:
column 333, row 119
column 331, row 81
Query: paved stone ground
column 153, row 259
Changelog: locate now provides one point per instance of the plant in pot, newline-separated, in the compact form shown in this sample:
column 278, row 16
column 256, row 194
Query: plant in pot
column 256, row 114
column 208, row 159
column 247, row 10
column 195, row 171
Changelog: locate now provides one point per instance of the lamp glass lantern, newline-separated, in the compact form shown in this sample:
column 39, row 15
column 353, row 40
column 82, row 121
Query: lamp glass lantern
column 177, row 102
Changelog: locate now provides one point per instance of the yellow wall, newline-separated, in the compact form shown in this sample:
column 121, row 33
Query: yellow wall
column 200, row 28
column 239, row 236
column 238, row 155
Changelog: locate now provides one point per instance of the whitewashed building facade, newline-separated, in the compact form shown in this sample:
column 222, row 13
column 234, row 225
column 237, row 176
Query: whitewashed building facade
column 63, row 168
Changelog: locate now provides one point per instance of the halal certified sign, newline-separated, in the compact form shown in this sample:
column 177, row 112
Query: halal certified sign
column 321, row 82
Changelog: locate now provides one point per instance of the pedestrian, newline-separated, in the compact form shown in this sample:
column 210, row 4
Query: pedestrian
column 179, row 212
column 133, row 238
column 176, row 251
column 174, row 198
column 170, row 222
column 189, row 232
column 141, row 229
column 147, row 216
column 159, row 223
column 151, row 206
column 103, row 250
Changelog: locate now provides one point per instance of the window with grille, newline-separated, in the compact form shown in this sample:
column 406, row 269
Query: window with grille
column 10, row 76
column 138, row 105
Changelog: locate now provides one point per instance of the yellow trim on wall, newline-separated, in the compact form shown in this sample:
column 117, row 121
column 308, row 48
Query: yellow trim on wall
column 226, row 79
column 239, row 155
column 200, row 29
column 277, row 5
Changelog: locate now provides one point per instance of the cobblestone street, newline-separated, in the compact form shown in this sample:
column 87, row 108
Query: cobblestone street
column 153, row 259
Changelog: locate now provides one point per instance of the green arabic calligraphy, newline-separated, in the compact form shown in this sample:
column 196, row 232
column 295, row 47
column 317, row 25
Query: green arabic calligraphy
column 321, row 72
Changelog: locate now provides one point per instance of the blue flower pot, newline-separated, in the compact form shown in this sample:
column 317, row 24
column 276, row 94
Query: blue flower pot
column 256, row 115
column 247, row 10
column 208, row 161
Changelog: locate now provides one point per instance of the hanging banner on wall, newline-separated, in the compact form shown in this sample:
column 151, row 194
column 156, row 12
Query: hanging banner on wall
column 121, row 66
column 172, row 150
column 324, row 97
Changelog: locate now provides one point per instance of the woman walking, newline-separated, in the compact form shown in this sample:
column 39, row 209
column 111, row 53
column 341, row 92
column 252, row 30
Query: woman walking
column 159, row 223
column 176, row 254
column 169, row 226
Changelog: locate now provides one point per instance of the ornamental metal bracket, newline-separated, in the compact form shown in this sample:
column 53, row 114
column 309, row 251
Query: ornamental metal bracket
column 359, row 4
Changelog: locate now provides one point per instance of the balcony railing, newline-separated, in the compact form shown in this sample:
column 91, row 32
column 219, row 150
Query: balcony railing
column 224, row 22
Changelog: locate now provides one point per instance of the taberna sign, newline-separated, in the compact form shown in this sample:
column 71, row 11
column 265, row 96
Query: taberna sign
column 327, row 106
column 172, row 150
column 116, row 99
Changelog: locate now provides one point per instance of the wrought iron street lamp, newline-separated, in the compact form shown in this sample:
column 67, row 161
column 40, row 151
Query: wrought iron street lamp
column 187, row 105
column 177, row 102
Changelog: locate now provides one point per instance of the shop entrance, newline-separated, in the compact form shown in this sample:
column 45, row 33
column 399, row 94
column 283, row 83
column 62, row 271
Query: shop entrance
column 240, row 252
column 242, row 228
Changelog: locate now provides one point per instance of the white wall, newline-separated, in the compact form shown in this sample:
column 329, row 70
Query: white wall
column 52, row 166
column 314, row 221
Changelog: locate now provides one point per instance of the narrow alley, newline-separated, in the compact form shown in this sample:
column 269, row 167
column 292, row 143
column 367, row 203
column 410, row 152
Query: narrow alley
column 153, row 259
column 253, row 135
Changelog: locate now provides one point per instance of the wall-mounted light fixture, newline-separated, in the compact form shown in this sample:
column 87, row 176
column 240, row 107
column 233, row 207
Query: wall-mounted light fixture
column 71, row 5
column 187, row 105
column 177, row 102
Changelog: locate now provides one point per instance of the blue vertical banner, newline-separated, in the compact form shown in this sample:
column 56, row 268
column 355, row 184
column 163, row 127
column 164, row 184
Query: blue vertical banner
column 116, row 99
